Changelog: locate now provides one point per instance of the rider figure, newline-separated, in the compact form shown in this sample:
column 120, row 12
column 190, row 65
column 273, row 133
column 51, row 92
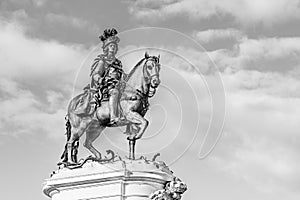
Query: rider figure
column 106, row 73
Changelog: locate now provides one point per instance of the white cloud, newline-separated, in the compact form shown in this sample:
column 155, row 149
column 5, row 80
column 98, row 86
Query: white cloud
column 270, row 48
column 39, row 2
column 23, row 113
column 178, row 57
column 72, row 21
column 265, row 54
column 33, row 59
column 36, row 82
column 263, row 83
column 262, row 126
column 261, row 141
column 212, row 35
column 22, row 3
column 246, row 12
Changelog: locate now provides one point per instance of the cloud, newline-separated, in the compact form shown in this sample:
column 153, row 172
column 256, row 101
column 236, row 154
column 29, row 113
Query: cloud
column 245, row 12
column 34, row 59
column 270, row 47
column 184, row 58
column 262, row 126
column 262, row 123
column 24, row 114
column 264, row 54
column 39, row 3
column 263, row 83
column 22, row 3
column 36, row 82
column 47, row 25
column 213, row 35
column 72, row 21
column 260, row 142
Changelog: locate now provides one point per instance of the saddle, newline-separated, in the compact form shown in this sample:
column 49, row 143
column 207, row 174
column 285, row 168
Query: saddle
column 88, row 101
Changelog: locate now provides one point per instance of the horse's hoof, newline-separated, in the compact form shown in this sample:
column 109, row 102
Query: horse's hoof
column 131, row 137
column 71, row 163
column 137, row 137
column 126, row 133
column 114, row 121
column 98, row 159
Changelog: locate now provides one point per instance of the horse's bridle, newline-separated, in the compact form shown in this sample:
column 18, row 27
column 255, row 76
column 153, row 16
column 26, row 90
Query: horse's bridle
column 149, row 77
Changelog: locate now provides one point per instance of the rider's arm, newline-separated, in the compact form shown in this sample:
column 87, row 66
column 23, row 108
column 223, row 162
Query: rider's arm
column 123, row 75
column 98, row 72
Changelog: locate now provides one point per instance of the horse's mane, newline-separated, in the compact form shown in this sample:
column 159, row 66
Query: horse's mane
column 135, row 68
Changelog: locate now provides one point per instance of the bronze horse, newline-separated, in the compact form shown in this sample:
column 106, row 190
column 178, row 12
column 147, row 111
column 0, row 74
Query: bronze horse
column 140, row 84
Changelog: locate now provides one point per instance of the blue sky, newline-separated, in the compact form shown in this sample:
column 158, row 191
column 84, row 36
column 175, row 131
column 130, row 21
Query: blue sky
column 248, row 61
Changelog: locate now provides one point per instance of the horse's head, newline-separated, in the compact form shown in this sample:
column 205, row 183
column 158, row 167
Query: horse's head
column 151, row 70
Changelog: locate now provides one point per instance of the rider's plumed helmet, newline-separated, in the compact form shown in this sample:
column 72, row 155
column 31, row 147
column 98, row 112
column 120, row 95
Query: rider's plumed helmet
column 109, row 36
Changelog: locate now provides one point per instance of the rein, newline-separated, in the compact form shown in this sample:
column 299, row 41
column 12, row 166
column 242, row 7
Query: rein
column 152, row 92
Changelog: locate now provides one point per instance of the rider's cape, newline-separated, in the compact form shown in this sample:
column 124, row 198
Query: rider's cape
column 82, row 103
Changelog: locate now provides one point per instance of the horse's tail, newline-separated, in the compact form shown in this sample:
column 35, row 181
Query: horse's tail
column 64, row 155
column 67, row 117
column 68, row 127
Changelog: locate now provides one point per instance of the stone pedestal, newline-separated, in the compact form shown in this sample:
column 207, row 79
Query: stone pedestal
column 116, row 180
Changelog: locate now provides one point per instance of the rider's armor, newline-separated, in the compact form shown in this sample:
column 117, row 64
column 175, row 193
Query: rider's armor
column 113, row 74
column 106, row 75
column 109, row 87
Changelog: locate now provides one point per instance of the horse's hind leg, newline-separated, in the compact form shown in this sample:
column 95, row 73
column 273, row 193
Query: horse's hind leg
column 92, row 133
column 76, row 132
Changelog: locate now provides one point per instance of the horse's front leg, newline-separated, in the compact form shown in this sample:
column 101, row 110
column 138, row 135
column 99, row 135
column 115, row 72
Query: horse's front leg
column 131, row 129
column 137, row 119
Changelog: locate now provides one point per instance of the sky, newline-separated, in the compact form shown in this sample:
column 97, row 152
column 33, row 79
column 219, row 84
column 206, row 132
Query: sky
column 225, row 117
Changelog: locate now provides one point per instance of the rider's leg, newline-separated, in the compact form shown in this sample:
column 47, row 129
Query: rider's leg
column 113, row 105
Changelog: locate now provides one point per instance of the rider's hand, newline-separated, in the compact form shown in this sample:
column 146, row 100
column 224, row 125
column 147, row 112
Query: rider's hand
column 100, row 81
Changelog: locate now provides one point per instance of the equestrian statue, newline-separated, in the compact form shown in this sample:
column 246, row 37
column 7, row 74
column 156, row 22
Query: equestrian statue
column 111, row 99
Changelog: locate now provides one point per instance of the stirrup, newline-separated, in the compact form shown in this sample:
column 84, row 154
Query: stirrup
column 114, row 121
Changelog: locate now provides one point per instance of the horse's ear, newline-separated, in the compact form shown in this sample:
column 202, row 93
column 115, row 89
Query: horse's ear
column 146, row 55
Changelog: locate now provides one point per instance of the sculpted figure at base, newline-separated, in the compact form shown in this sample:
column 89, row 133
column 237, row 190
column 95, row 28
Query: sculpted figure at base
column 112, row 98
column 173, row 191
